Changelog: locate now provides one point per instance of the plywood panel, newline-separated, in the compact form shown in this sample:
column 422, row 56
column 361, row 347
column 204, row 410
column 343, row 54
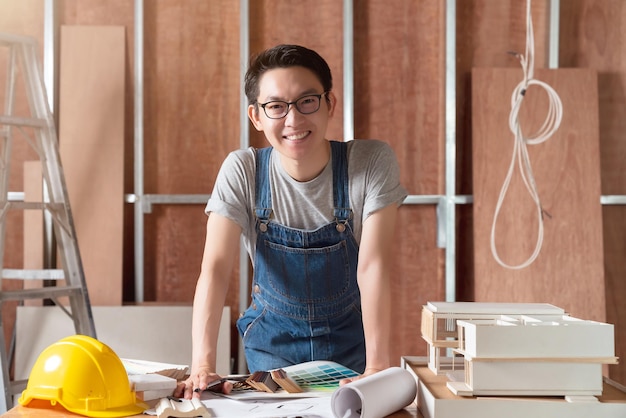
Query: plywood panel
column 191, row 123
column 614, row 218
column 416, row 277
column 398, row 98
column 486, row 30
column 592, row 34
column 316, row 25
column 91, row 135
column 569, row 271
column 192, row 93
column 399, row 86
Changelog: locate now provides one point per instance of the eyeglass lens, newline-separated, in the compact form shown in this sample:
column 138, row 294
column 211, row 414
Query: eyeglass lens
column 305, row 105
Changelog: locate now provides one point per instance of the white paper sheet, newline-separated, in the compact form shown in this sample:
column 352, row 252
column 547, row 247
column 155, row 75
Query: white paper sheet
column 375, row 396
column 270, row 408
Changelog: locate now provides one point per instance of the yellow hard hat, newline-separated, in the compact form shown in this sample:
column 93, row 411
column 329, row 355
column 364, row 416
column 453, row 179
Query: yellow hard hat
column 83, row 375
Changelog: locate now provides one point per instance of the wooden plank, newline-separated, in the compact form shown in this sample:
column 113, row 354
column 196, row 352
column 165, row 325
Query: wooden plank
column 569, row 271
column 33, row 226
column 91, row 136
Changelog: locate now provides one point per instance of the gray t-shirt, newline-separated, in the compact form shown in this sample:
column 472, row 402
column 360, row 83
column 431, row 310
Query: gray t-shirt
column 374, row 183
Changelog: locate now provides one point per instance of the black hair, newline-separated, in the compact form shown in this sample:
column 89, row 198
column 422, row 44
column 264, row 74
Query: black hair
column 284, row 56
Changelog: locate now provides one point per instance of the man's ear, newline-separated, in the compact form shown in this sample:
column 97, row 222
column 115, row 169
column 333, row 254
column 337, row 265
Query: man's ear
column 253, row 115
column 332, row 103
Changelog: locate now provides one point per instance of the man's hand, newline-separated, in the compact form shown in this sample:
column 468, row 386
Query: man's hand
column 198, row 382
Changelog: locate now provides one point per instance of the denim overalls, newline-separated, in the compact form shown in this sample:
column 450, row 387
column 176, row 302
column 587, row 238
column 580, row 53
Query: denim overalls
column 305, row 298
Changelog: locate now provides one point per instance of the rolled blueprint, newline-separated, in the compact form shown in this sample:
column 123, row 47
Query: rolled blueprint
column 375, row 396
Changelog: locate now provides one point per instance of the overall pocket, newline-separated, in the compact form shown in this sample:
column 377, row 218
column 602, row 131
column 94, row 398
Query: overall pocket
column 307, row 275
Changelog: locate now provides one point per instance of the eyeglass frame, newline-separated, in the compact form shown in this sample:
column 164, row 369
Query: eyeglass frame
column 295, row 104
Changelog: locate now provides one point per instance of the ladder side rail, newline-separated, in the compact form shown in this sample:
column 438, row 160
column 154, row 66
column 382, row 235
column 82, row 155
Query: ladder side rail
column 9, row 104
column 74, row 277
column 52, row 169
column 6, row 397
column 9, row 100
column 65, row 232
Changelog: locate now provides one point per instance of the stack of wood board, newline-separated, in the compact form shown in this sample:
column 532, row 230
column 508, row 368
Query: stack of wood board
column 434, row 400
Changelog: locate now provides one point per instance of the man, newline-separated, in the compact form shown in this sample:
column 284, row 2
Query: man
column 317, row 218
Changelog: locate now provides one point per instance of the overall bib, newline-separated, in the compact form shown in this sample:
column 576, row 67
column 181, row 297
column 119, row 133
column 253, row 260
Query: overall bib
column 305, row 298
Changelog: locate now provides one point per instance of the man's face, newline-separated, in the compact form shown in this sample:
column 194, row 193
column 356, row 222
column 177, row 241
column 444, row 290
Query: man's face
column 296, row 136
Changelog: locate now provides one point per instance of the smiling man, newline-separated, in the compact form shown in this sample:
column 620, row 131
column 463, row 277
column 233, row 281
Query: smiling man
column 317, row 219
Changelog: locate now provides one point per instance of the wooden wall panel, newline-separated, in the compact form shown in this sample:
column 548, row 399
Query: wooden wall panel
column 399, row 98
column 313, row 24
column 399, row 86
column 569, row 270
column 192, row 93
column 592, row 35
column 191, row 123
column 486, row 31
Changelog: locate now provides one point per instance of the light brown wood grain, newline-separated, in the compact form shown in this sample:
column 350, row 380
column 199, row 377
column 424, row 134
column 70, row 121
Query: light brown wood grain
column 569, row 271
column 91, row 140
column 592, row 36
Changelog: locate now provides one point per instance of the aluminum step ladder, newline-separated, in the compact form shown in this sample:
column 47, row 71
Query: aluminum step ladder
column 37, row 128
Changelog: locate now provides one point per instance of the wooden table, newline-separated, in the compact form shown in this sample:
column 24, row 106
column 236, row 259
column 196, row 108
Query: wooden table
column 25, row 412
column 20, row 411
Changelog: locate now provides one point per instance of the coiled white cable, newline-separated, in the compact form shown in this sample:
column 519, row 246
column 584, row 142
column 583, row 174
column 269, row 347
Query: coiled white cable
column 520, row 151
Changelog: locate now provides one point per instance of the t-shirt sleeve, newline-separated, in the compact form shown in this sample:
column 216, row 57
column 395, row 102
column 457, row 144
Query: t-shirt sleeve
column 381, row 176
column 232, row 191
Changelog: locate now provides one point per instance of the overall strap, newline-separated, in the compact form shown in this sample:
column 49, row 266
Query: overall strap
column 263, row 199
column 341, row 196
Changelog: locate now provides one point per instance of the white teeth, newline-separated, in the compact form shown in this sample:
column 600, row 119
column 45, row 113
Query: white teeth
column 297, row 136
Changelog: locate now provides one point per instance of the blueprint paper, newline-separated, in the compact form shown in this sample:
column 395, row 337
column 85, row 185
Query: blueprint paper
column 375, row 396
column 223, row 407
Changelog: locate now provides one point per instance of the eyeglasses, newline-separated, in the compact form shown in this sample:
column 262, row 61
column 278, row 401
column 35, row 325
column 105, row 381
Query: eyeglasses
column 277, row 109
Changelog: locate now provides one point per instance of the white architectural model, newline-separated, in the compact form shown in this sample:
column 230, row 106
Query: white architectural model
column 518, row 349
column 439, row 324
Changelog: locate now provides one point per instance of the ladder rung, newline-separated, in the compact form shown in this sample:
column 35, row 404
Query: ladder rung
column 18, row 386
column 25, row 274
column 15, row 196
column 40, row 293
column 17, row 121
column 34, row 205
